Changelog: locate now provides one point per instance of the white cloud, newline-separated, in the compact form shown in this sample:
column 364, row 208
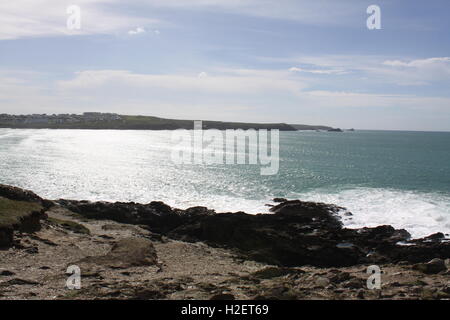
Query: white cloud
column 318, row 71
column 374, row 69
column 419, row 71
column 420, row 63
column 342, row 99
column 44, row 18
column 228, row 81
column 138, row 30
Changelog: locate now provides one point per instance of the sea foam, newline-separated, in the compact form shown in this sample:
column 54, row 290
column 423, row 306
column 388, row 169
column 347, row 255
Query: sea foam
column 419, row 213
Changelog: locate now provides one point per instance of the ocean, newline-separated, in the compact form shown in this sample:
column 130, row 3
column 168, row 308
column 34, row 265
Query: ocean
column 383, row 177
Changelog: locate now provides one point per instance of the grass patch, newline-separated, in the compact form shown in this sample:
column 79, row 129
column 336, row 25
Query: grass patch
column 70, row 225
column 11, row 211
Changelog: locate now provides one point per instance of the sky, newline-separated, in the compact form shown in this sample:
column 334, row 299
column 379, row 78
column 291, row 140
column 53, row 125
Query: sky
column 293, row 61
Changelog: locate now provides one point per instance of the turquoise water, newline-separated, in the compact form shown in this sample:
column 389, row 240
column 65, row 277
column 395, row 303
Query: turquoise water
column 383, row 177
column 414, row 161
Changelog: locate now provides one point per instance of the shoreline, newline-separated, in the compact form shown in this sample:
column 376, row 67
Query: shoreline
column 301, row 247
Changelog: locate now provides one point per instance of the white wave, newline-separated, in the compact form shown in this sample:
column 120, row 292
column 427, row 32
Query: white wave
column 420, row 213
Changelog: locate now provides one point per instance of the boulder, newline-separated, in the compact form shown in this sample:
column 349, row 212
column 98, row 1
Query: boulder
column 322, row 282
column 126, row 253
column 432, row 267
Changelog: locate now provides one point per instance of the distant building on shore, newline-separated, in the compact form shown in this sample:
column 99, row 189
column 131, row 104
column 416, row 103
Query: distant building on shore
column 98, row 116
column 57, row 118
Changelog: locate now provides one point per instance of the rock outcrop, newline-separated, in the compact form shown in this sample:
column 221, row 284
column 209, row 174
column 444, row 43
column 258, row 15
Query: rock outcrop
column 18, row 194
column 142, row 256
column 20, row 210
column 297, row 233
column 126, row 253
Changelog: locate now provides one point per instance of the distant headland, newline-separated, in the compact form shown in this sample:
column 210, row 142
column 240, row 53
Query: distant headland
column 113, row 121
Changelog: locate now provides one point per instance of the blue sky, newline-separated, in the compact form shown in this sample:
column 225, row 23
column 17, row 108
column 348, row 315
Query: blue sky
column 295, row 61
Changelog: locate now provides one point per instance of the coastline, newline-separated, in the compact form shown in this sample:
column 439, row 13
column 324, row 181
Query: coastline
column 300, row 251
column 111, row 121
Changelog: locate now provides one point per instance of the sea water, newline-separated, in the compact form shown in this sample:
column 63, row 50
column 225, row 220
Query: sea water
column 382, row 177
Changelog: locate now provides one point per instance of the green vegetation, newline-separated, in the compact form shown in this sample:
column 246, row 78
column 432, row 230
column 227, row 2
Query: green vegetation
column 146, row 123
column 70, row 225
column 130, row 122
column 12, row 211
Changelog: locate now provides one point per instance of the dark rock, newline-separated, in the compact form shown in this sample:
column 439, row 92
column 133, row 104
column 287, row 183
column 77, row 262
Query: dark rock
column 310, row 211
column 31, row 222
column 383, row 234
column 6, row 273
column 435, row 236
column 278, row 200
column 159, row 217
column 278, row 238
column 6, row 236
column 432, row 267
column 18, row 281
column 335, row 130
column 297, row 233
column 417, row 252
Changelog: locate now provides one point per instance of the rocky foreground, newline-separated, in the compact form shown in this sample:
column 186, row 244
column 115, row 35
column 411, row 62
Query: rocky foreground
column 153, row 251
